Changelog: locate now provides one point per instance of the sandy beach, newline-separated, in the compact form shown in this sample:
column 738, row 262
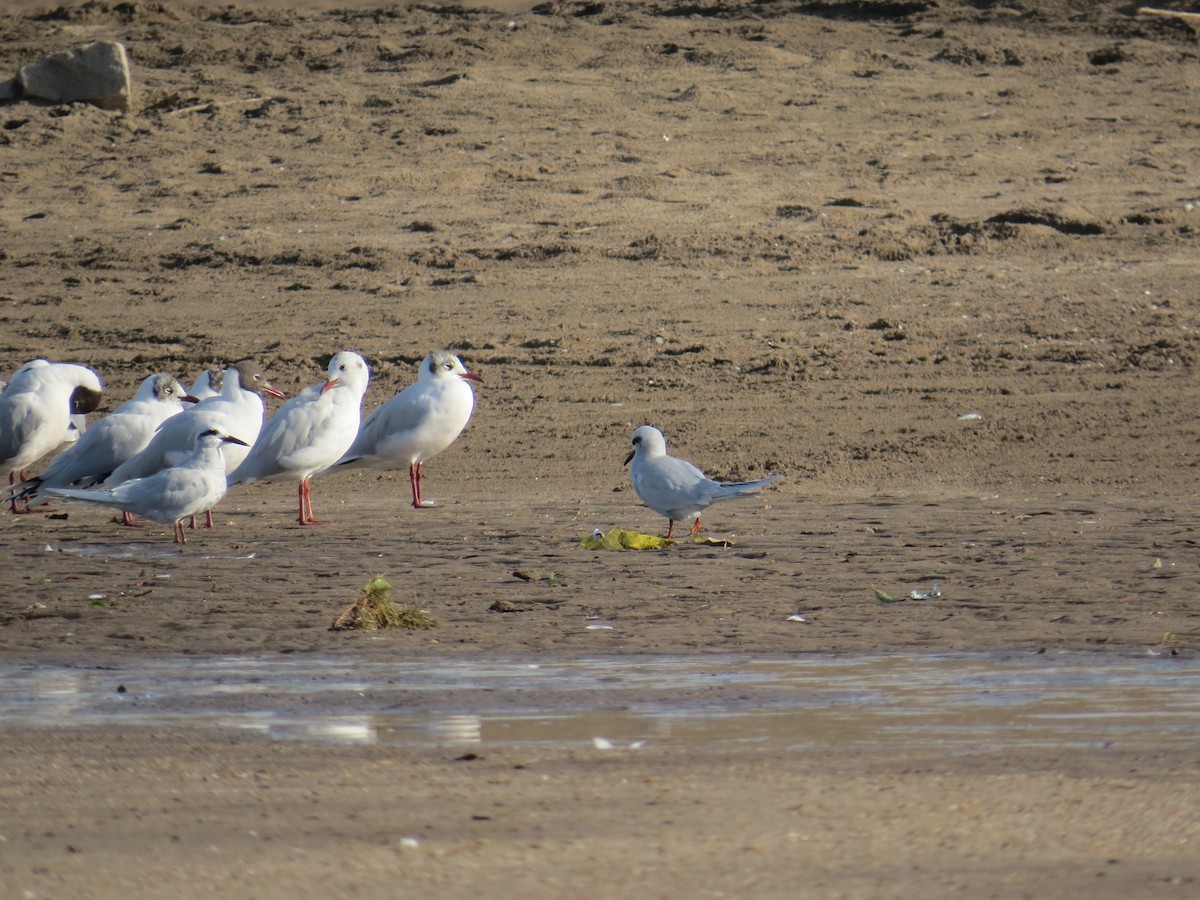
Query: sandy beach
column 933, row 263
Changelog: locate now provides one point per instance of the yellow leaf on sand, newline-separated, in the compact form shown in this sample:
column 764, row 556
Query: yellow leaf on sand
column 620, row 539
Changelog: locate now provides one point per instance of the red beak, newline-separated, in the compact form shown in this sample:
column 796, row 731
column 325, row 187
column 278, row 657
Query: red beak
column 471, row 376
column 188, row 398
column 327, row 385
column 267, row 389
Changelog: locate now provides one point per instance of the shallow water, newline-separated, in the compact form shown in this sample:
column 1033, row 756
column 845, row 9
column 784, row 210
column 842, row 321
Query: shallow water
column 960, row 702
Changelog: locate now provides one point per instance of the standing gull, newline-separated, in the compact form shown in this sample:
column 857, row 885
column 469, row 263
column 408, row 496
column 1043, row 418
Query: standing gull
column 172, row 494
column 673, row 487
column 78, row 419
column 36, row 409
column 422, row 420
column 114, row 439
column 237, row 410
column 310, row 432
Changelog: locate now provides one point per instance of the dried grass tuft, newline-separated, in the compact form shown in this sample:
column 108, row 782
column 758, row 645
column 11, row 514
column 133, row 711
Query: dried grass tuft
column 374, row 608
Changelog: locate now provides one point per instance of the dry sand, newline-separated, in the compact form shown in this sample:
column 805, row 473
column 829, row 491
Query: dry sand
column 799, row 238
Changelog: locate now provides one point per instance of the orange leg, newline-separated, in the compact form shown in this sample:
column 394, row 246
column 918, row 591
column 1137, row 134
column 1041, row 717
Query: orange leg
column 414, row 481
column 306, row 513
column 695, row 527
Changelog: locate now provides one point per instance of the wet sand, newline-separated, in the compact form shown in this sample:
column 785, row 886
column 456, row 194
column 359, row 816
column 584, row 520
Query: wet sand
column 804, row 240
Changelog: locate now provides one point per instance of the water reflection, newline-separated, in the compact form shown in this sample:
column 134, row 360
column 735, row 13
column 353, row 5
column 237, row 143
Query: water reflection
column 962, row 702
column 340, row 729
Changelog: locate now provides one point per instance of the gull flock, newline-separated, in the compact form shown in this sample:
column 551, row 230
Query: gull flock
column 170, row 455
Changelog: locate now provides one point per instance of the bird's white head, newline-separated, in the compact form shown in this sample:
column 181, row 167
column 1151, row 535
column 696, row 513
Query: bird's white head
column 348, row 370
column 165, row 389
column 445, row 365
column 647, row 441
column 216, row 436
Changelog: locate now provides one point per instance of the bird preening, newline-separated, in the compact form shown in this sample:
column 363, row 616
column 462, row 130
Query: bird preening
column 36, row 408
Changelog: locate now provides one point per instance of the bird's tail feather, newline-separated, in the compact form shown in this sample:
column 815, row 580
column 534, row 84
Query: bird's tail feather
column 89, row 496
column 747, row 487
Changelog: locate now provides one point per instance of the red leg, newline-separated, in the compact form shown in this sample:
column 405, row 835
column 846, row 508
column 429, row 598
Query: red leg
column 208, row 519
column 14, row 478
column 670, row 528
column 695, row 527
column 180, row 537
column 415, row 473
column 306, row 512
column 127, row 520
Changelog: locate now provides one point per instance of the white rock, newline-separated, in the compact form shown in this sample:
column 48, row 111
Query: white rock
column 97, row 73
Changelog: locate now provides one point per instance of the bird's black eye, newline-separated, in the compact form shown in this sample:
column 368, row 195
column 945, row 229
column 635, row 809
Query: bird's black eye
column 637, row 440
column 209, row 431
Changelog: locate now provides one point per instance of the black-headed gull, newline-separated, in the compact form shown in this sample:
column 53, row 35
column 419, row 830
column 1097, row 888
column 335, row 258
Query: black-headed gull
column 36, row 409
column 422, row 420
column 172, row 494
column 78, row 419
column 238, row 410
column 310, row 432
column 673, row 487
column 115, row 438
